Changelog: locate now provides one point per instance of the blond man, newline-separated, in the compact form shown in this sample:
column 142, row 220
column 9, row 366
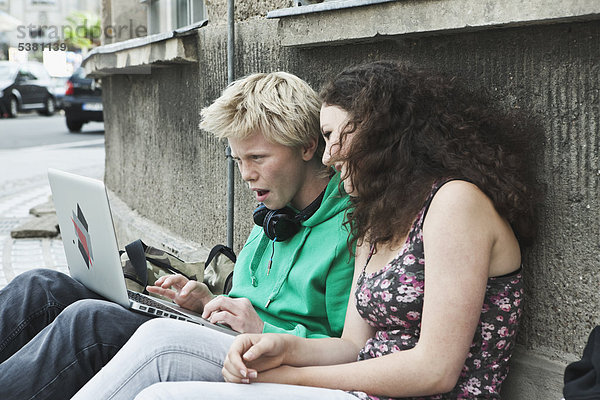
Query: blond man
column 292, row 276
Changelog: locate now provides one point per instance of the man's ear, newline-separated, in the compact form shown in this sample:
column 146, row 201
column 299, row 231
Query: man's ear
column 309, row 149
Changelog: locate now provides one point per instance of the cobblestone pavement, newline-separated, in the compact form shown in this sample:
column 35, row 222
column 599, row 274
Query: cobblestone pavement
column 21, row 192
column 19, row 255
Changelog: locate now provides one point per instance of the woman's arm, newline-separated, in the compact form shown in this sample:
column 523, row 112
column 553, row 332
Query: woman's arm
column 255, row 353
column 459, row 235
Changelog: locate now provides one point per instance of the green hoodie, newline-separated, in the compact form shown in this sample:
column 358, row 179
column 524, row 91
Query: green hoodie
column 306, row 291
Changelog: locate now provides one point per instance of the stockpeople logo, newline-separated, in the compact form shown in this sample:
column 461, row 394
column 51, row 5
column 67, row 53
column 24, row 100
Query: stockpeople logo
column 83, row 237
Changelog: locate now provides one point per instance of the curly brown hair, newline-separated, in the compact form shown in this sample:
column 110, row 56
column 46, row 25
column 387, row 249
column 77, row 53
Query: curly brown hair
column 413, row 128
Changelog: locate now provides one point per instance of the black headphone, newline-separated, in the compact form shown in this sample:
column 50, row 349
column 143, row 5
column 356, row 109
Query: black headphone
column 281, row 225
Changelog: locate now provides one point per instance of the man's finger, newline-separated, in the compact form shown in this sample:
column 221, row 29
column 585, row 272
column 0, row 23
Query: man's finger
column 163, row 292
column 189, row 287
column 174, row 280
column 160, row 280
column 234, row 306
column 225, row 317
column 213, row 305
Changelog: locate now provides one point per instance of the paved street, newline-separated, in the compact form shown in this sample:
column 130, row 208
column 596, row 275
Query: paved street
column 34, row 130
column 29, row 145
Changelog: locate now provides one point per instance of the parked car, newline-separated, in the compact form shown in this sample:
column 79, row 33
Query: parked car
column 25, row 87
column 59, row 89
column 82, row 101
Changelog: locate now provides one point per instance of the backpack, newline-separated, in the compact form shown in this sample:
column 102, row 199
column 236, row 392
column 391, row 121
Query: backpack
column 143, row 265
column 582, row 378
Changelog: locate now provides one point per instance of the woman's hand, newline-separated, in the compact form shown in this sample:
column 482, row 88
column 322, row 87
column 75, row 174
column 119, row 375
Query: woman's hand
column 251, row 354
column 189, row 294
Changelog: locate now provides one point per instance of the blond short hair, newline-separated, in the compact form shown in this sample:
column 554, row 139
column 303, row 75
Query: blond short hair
column 281, row 106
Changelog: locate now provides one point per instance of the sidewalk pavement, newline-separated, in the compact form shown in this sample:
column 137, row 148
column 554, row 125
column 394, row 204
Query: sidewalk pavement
column 24, row 185
column 20, row 255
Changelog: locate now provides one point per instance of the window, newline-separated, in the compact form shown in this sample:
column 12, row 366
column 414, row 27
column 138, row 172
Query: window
column 25, row 75
column 182, row 14
column 168, row 15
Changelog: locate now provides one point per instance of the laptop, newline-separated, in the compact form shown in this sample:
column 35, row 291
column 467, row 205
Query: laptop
column 90, row 244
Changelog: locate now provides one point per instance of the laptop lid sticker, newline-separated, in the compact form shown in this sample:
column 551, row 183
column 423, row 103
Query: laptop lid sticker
column 83, row 237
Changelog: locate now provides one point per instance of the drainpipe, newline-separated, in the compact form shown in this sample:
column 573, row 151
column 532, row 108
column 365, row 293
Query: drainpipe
column 230, row 78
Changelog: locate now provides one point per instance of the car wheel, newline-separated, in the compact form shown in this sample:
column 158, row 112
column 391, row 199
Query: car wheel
column 74, row 125
column 50, row 107
column 13, row 108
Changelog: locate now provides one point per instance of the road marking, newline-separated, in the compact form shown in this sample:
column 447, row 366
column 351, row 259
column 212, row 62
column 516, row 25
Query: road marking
column 58, row 146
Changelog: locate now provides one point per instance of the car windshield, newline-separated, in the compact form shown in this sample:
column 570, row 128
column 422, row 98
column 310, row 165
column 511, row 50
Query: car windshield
column 8, row 71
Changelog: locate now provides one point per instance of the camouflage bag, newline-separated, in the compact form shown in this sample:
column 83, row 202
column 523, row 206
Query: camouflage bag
column 143, row 265
column 218, row 269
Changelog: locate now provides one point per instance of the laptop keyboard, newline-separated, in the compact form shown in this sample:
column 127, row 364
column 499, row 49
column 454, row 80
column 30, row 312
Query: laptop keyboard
column 140, row 298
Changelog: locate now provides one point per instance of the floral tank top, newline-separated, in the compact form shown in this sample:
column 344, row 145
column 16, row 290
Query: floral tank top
column 391, row 300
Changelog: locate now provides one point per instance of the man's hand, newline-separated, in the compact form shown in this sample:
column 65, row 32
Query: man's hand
column 192, row 295
column 237, row 313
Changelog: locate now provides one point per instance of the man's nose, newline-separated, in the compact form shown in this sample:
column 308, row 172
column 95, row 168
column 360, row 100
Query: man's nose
column 248, row 174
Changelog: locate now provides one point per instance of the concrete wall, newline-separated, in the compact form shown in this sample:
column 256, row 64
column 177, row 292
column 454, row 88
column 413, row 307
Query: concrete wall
column 161, row 164
column 244, row 10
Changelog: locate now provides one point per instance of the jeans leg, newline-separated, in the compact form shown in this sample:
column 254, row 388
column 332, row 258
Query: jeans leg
column 68, row 352
column 161, row 350
column 237, row 391
column 30, row 302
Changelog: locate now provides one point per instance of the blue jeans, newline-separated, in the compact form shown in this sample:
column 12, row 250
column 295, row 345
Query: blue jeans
column 175, row 360
column 55, row 334
column 161, row 350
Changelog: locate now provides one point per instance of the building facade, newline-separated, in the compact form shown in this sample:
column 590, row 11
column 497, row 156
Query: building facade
column 541, row 56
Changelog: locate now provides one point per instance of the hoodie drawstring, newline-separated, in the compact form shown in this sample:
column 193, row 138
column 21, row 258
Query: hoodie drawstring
column 284, row 276
column 258, row 253
column 272, row 254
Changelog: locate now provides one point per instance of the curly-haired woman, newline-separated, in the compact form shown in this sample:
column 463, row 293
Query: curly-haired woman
column 441, row 207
